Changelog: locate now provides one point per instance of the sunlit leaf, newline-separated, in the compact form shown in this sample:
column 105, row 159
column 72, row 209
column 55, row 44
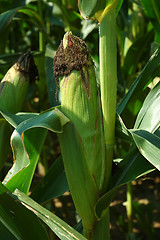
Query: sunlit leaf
column 61, row 229
column 18, row 221
column 149, row 115
column 144, row 78
column 27, row 146
column 89, row 8
column 148, row 145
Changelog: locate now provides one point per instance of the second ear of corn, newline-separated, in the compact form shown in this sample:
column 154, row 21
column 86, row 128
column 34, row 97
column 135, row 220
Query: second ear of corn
column 80, row 102
column 13, row 88
column 14, row 85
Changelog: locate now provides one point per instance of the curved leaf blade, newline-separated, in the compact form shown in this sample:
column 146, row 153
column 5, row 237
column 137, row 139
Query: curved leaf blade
column 133, row 166
column 144, row 78
column 148, row 145
column 27, row 141
column 17, row 220
column 89, row 8
column 16, row 119
column 59, row 227
column 6, row 17
column 149, row 115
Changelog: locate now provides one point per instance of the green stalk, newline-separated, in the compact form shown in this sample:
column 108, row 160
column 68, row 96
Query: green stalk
column 129, row 206
column 102, row 229
column 41, row 35
column 108, row 83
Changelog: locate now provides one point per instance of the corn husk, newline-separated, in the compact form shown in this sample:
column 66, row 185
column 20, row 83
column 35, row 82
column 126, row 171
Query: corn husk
column 80, row 102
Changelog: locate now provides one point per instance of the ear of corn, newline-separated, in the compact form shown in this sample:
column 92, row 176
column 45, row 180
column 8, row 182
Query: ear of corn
column 15, row 83
column 80, row 102
column 13, row 88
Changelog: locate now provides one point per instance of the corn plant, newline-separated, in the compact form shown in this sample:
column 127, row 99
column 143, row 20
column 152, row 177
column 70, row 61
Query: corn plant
column 87, row 123
column 13, row 88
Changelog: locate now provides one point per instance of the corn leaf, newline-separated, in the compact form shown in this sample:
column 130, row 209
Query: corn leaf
column 32, row 16
column 27, row 146
column 16, row 119
column 146, row 76
column 133, row 166
column 6, row 17
column 54, row 183
column 152, row 11
column 89, row 8
column 152, row 8
column 17, row 221
column 138, row 51
column 148, row 145
column 59, row 227
column 149, row 115
column 51, row 83
column 104, row 202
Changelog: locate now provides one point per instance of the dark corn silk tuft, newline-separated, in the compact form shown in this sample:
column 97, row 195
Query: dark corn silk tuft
column 26, row 66
column 73, row 54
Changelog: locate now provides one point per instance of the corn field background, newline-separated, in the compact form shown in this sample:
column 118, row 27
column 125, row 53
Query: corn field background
column 35, row 28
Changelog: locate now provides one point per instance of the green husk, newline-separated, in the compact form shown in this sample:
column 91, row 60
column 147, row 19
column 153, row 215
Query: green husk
column 14, row 85
column 13, row 88
column 82, row 143
column 80, row 100
column 80, row 180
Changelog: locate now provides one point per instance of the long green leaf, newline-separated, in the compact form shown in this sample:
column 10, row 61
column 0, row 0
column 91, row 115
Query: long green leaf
column 61, row 229
column 133, row 166
column 147, row 74
column 5, row 234
column 148, row 145
column 152, row 11
column 16, row 119
column 137, row 52
column 149, row 115
column 6, row 17
column 27, row 141
column 18, row 221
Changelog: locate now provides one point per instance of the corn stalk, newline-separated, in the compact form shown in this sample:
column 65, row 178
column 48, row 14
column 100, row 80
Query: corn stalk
column 108, row 83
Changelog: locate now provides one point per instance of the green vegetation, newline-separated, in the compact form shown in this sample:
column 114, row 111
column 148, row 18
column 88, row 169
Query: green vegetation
column 80, row 112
